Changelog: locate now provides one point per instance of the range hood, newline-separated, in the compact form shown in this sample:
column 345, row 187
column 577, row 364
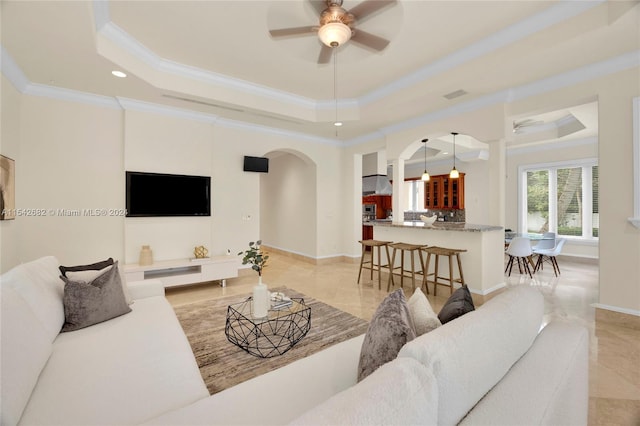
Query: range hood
column 376, row 185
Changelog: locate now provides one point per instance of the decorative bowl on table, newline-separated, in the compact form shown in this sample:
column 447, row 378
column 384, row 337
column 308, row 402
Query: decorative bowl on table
column 428, row 220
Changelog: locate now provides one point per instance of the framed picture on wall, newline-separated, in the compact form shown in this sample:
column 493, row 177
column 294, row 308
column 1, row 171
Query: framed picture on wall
column 7, row 188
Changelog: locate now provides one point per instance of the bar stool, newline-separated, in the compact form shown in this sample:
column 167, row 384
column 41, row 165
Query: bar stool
column 412, row 249
column 437, row 252
column 371, row 264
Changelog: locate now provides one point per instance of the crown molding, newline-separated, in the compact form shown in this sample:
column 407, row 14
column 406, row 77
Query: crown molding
column 562, row 11
column 125, row 41
column 559, row 144
column 12, row 71
column 589, row 72
column 136, row 105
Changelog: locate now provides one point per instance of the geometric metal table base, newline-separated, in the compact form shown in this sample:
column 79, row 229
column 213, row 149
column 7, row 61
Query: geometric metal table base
column 270, row 336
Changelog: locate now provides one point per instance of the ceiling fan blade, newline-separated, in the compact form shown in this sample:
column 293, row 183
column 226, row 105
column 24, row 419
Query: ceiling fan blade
column 369, row 40
column 369, row 7
column 325, row 54
column 296, row 31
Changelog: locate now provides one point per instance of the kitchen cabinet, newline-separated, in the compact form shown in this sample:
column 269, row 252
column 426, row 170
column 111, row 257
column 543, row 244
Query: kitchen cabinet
column 442, row 192
column 382, row 202
column 367, row 233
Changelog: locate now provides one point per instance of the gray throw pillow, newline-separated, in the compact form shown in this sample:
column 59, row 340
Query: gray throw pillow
column 458, row 304
column 390, row 328
column 92, row 267
column 88, row 303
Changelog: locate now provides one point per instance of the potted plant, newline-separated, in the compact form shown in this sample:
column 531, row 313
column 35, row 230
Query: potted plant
column 256, row 257
column 258, row 261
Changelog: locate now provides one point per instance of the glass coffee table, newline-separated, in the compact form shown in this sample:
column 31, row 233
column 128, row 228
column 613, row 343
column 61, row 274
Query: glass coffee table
column 270, row 336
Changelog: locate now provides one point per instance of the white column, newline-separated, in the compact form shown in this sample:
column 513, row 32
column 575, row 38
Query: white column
column 399, row 196
column 497, row 182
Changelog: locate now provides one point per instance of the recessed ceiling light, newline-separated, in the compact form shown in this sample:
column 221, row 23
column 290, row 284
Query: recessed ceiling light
column 338, row 123
column 118, row 74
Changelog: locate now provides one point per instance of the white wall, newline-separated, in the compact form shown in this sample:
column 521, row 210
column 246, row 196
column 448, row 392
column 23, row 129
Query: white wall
column 288, row 205
column 164, row 144
column 71, row 158
column 10, row 147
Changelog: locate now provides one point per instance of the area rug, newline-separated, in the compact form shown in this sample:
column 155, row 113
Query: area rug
column 222, row 364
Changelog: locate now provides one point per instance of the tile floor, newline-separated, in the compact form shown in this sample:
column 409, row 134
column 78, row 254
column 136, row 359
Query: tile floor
column 614, row 374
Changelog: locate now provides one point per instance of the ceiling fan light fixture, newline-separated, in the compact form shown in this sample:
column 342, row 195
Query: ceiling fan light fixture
column 337, row 123
column 334, row 34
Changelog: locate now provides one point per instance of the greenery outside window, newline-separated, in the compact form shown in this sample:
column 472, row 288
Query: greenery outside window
column 560, row 198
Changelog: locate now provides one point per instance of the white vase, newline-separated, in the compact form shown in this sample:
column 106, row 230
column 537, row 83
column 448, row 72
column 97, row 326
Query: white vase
column 260, row 300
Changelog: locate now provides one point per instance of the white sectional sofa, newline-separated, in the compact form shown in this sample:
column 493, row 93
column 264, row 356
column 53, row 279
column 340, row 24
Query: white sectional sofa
column 492, row 366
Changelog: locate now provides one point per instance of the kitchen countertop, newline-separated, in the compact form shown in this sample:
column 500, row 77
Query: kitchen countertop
column 441, row 226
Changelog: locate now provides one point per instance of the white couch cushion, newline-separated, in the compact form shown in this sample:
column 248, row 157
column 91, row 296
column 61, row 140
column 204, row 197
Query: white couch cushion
column 122, row 371
column 470, row 354
column 25, row 350
column 401, row 392
column 279, row 396
column 424, row 317
column 549, row 385
column 39, row 284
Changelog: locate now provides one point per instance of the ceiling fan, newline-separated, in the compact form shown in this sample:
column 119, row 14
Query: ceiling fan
column 338, row 25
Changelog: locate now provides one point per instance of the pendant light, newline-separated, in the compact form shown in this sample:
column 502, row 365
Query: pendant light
column 454, row 172
column 425, row 176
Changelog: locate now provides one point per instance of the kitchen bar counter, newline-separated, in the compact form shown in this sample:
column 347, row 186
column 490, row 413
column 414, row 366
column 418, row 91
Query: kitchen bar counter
column 438, row 226
column 482, row 263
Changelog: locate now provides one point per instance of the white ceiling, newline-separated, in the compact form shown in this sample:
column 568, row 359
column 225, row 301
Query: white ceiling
column 220, row 55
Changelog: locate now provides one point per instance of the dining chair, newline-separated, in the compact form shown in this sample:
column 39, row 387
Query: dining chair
column 549, row 255
column 519, row 249
column 548, row 241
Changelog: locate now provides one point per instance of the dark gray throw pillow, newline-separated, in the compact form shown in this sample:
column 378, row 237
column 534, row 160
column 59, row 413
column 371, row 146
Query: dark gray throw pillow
column 458, row 304
column 89, row 303
column 92, row 267
column 390, row 328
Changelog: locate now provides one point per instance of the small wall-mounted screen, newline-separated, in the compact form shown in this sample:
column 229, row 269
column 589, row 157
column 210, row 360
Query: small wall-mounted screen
column 256, row 164
column 157, row 194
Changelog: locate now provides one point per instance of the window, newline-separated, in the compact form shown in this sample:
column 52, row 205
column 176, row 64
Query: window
column 560, row 198
column 415, row 195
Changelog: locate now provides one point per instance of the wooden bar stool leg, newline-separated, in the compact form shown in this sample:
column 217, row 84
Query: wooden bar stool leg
column 401, row 268
column 425, row 279
column 435, row 276
column 413, row 272
column 424, row 272
column 373, row 255
column 450, row 274
column 379, row 269
column 460, row 268
column 393, row 262
column 364, row 249
column 390, row 265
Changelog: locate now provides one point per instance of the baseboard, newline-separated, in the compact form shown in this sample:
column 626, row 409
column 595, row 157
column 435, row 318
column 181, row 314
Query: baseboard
column 579, row 259
column 629, row 318
column 309, row 259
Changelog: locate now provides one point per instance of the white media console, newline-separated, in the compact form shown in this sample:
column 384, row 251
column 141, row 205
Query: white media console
column 179, row 272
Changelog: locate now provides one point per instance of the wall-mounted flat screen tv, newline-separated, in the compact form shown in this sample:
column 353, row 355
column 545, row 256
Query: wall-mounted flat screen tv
column 256, row 164
column 157, row 194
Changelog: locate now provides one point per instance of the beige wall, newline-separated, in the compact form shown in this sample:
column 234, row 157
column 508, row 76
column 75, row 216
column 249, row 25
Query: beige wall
column 10, row 147
column 164, row 144
column 288, row 205
column 71, row 159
